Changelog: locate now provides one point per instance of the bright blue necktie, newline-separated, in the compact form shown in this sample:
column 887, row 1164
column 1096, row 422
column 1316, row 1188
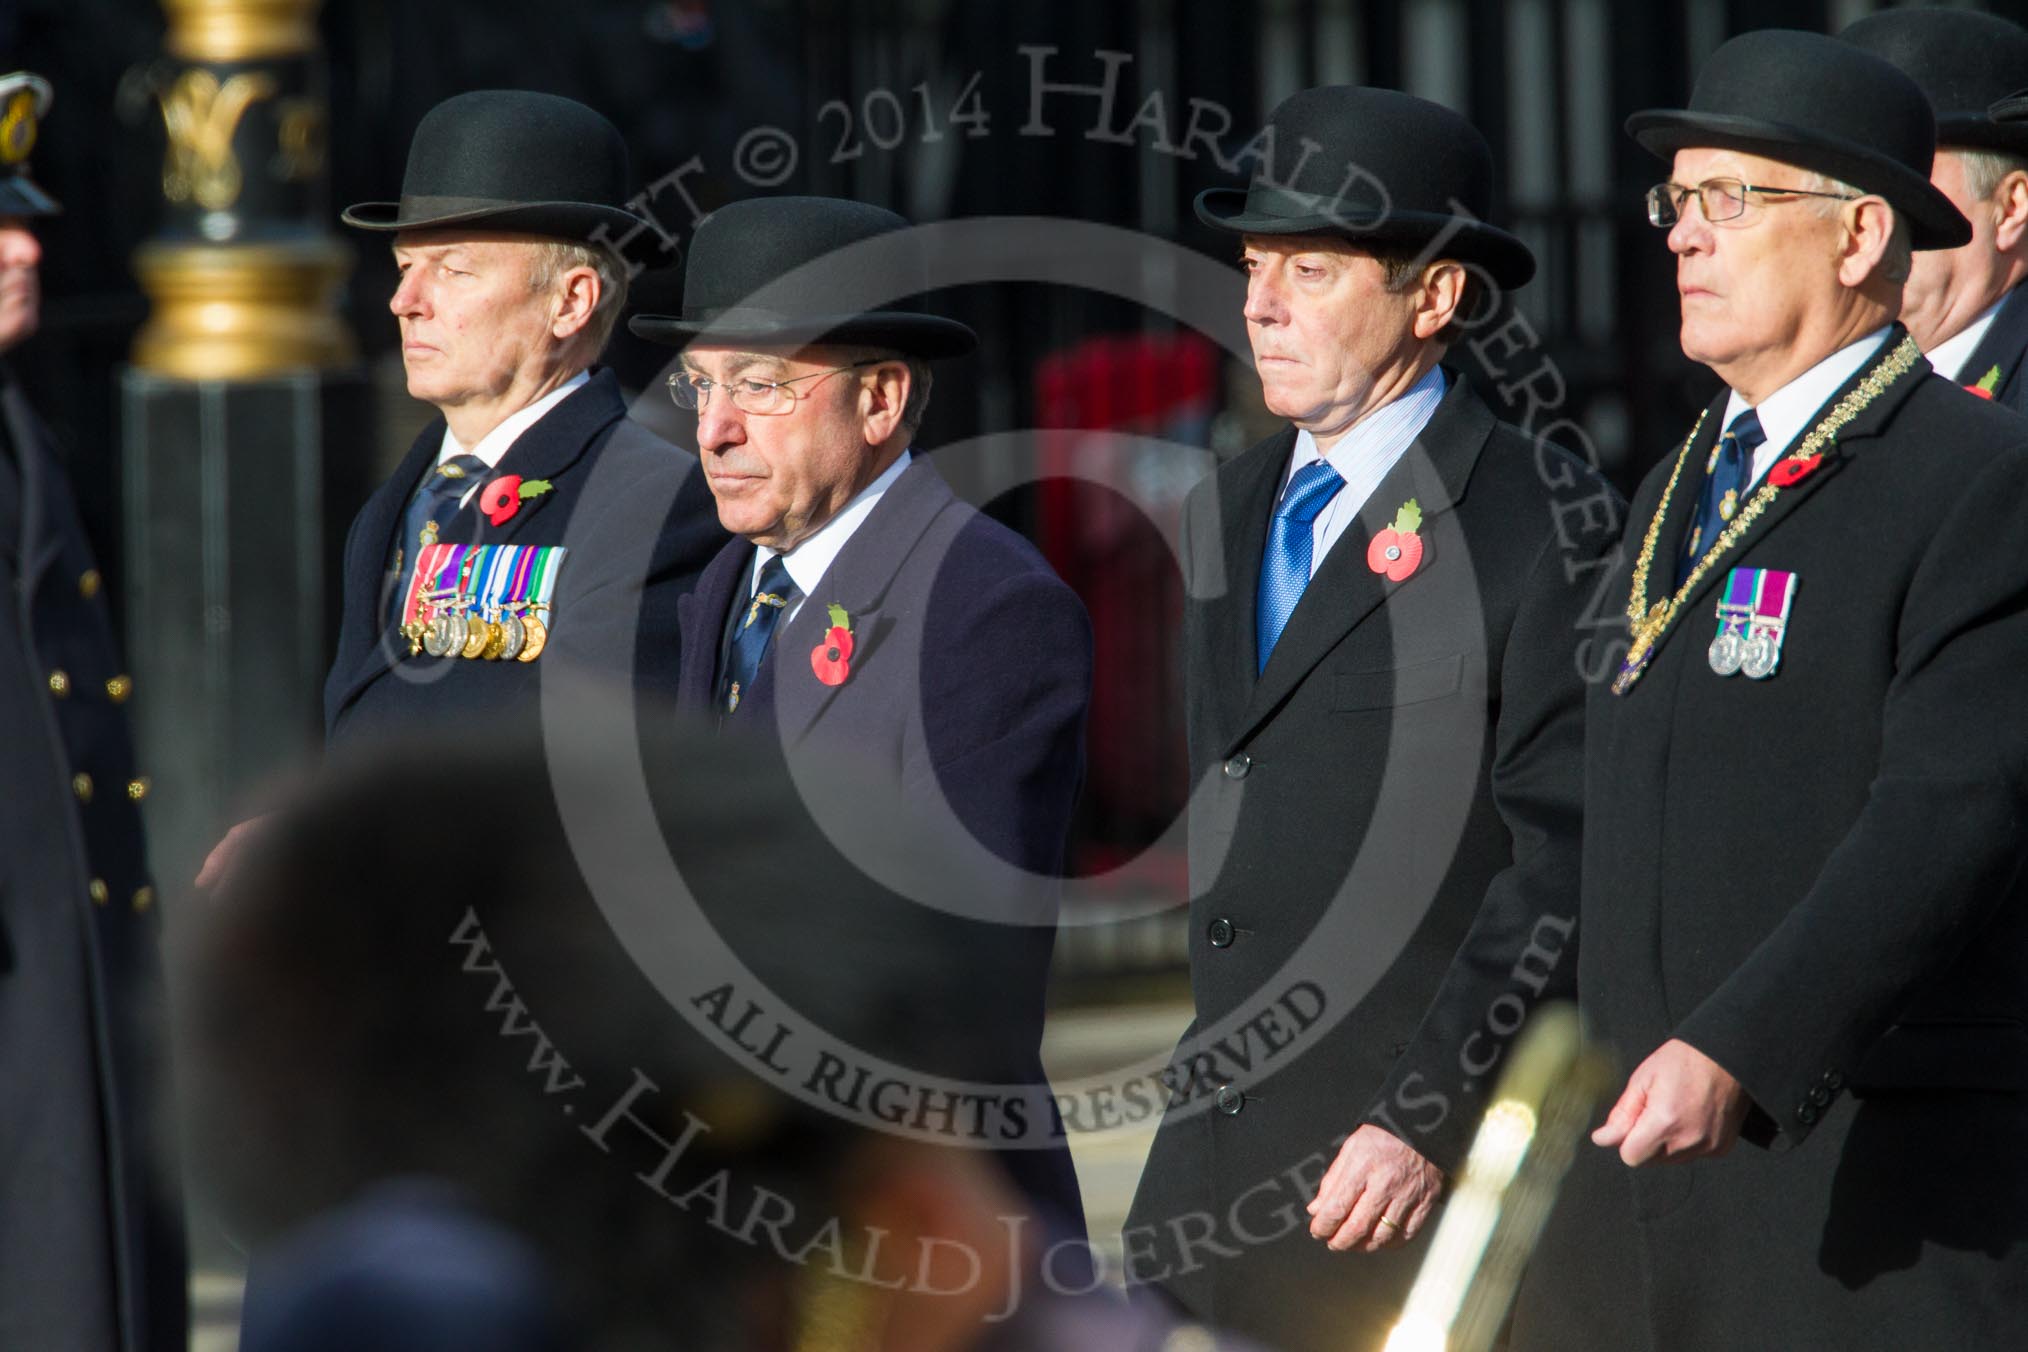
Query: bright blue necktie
column 1285, row 566
column 1725, row 484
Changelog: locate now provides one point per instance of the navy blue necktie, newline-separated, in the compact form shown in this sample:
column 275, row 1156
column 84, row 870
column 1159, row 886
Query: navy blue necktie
column 752, row 628
column 435, row 499
column 1725, row 482
column 1285, row 565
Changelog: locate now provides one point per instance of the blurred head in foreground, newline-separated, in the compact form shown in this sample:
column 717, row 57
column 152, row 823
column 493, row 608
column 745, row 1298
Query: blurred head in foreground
column 433, row 1088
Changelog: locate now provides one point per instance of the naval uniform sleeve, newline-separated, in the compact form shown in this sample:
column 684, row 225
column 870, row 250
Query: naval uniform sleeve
column 1933, row 851
column 1522, row 947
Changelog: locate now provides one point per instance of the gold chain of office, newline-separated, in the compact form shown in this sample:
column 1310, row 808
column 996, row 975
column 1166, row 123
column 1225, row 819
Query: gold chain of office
column 1651, row 622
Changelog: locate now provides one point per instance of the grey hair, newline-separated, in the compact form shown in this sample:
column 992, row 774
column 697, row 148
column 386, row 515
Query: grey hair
column 1899, row 256
column 554, row 257
column 1984, row 169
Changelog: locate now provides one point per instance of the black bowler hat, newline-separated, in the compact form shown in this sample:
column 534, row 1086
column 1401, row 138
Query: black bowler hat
column 1378, row 167
column 1964, row 61
column 24, row 102
column 1817, row 103
column 510, row 159
column 743, row 250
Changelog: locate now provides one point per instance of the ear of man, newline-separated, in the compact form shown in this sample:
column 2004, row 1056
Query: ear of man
column 883, row 400
column 1864, row 244
column 576, row 300
column 1440, row 291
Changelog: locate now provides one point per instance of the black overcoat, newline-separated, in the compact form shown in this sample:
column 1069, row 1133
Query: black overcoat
column 1409, row 759
column 1815, row 879
column 637, row 518
column 91, row 1236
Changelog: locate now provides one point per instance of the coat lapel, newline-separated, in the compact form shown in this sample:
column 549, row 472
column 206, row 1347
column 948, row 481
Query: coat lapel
column 700, row 624
column 40, row 543
column 557, row 441
column 1864, row 427
column 859, row 579
column 2005, row 340
column 1245, row 500
column 1344, row 591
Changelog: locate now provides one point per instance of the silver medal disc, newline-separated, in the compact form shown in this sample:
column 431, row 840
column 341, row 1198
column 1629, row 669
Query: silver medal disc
column 436, row 639
column 1726, row 652
column 1761, row 654
column 459, row 630
column 517, row 637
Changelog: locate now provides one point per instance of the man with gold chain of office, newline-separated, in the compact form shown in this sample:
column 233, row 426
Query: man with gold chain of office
column 1803, row 921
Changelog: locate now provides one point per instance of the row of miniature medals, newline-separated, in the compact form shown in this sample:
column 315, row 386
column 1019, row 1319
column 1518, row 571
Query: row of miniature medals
column 483, row 602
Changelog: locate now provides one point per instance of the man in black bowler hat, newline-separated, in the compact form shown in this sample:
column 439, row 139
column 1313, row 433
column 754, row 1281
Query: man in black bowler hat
column 1804, row 919
column 533, row 524
column 1384, row 644
column 864, row 614
column 1965, row 307
column 91, row 1236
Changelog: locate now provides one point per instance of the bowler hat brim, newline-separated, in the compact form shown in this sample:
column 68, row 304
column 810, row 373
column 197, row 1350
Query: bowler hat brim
column 1505, row 258
column 1982, row 133
column 582, row 221
column 917, row 335
column 1933, row 223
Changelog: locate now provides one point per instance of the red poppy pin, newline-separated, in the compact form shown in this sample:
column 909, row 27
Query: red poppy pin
column 501, row 498
column 1793, row 469
column 1396, row 551
column 832, row 658
column 1988, row 384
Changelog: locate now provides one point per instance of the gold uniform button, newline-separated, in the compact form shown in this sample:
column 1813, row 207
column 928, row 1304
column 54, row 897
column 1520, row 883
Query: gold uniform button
column 137, row 789
column 81, row 785
column 59, row 683
column 99, row 891
column 143, row 899
column 118, row 688
column 88, row 583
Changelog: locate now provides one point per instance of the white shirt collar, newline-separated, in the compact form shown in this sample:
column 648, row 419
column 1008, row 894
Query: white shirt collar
column 1786, row 414
column 809, row 561
column 1377, row 440
column 1949, row 356
column 495, row 443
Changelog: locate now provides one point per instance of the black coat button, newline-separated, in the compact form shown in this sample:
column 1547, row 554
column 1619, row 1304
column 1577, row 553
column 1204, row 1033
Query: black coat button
column 1820, row 1096
column 1219, row 932
column 1230, row 1100
column 1807, row 1114
column 1833, row 1081
column 1237, row 767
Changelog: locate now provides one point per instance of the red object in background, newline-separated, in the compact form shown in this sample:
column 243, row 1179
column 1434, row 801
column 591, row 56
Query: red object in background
column 1113, row 552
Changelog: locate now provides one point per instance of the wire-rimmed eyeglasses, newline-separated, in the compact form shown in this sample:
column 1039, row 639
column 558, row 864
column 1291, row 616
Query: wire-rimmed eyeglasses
column 1720, row 199
column 693, row 390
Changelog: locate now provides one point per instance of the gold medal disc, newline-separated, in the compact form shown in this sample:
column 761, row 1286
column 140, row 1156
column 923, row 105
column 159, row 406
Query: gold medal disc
column 538, row 639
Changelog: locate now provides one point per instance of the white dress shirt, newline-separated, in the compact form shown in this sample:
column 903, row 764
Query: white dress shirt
column 495, row 443
column 1790, row 411
column 809, row 561
column 1363, row 456
column 1952, row 353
